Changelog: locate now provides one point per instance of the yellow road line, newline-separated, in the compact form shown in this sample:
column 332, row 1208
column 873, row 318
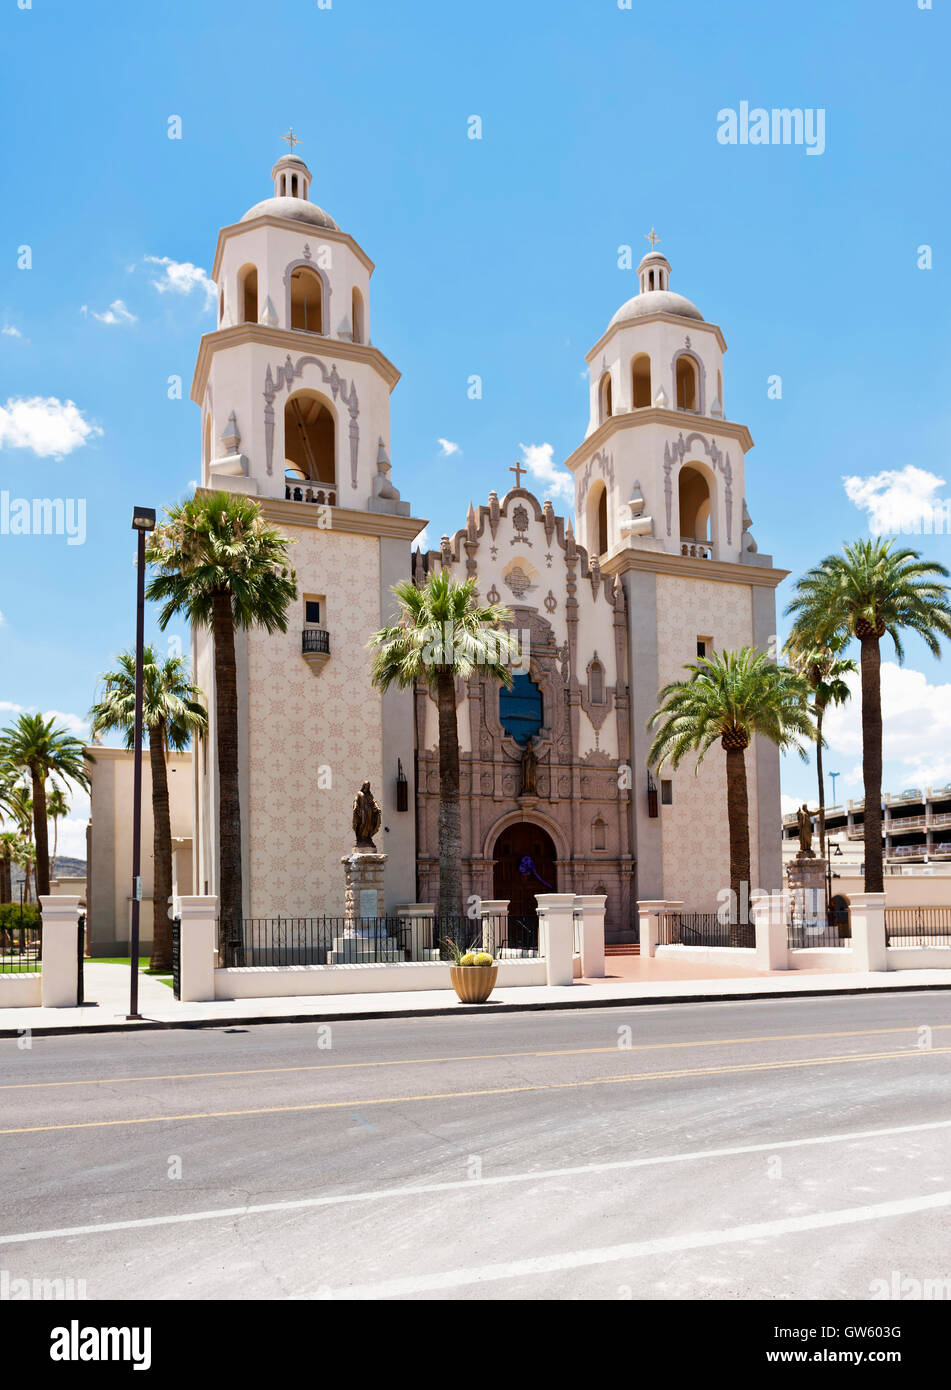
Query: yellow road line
column 359, row 1103
column 473, row 1057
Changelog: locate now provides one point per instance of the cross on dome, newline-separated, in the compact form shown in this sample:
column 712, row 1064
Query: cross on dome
column 291, row 138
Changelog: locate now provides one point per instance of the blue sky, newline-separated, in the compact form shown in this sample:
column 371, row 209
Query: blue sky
column 497, row 257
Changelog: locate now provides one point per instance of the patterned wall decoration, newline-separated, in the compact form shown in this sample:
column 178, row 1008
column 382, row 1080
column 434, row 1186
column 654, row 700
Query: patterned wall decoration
column 296, row 728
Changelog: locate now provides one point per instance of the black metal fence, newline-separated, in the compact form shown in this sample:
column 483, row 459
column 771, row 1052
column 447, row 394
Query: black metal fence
column 804, row 934
column 20, row 948
column 177, row 957
column 269, row 941
column 702, row 929
column 918, row 926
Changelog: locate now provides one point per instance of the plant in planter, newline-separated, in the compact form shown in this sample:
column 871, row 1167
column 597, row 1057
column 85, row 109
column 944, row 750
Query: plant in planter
column 473, row 973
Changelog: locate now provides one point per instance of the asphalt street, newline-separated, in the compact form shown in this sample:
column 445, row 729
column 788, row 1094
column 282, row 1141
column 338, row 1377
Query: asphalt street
column 769, row 1149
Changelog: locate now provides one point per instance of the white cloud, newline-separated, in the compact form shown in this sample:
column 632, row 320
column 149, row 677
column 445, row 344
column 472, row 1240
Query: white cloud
column 448, row 447
column 897, row 500
column 789, row 803
column 539, row 460
column 181, row 277
column 916, row 719
column 75, row 724
column 116, row 313
column 50, row 428
column 3, row 621
column 9, row 330
column 422, row 540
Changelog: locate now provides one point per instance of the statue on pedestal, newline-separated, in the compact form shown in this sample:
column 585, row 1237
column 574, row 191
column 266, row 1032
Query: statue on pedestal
column 366, row 818
column 804, row 820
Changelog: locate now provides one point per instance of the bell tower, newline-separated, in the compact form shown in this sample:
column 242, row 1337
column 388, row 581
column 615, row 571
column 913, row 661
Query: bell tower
column 295, row 411
column 293, row 394
column 660, row 502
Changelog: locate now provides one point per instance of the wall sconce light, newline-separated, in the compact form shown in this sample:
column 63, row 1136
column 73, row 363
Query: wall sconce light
column 402, row 788
column 651, row 796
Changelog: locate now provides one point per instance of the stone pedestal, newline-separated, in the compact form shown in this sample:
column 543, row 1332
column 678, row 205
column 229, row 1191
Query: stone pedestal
column 365, row 938
column 806, row 879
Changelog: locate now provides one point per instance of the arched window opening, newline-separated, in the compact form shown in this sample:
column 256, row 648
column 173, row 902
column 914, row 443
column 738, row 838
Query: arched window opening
column 605, row 399
column 603, row 522
column 309, row 439
column 293, row 185
column 221, row 307
column 596, row 683
column 686, row 384
column 599, row 834
column 307, row 300
column 650, row 280
column 359, row 329
column 248, row 293
column 641, row 381
column 520, row 709
column 694, row 494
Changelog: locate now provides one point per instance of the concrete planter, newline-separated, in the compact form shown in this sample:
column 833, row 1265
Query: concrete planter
column 473, row 983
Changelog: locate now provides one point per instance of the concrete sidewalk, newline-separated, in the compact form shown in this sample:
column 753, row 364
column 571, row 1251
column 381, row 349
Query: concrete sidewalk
column 107, row 993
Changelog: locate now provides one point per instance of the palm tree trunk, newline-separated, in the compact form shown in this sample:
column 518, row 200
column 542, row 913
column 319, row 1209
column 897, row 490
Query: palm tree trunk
column 450, row 834
column 871, row 666
column 161, row 851
column 55, row 842
column 40, row 834
column 230, row 904
column 6, row 880
column 738, row 814
column 822, row 788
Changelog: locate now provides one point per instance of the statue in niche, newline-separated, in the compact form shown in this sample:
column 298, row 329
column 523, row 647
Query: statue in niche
column 366, row 817
column 528, row 783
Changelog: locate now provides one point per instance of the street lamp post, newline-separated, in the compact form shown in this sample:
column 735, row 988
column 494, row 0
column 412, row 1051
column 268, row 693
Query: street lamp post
column 143, row 521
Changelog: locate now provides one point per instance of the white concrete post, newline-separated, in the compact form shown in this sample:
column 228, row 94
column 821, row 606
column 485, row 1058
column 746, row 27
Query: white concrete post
column 770, row 914
column 556, row 913
column 60, row 977
column 490, row 909
column 419, row 918
column 649, row 913
column 197, row 948
column 867, row 911
column 591, row 906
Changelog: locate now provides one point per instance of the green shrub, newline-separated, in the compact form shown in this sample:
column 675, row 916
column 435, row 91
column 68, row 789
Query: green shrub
column 10, row 915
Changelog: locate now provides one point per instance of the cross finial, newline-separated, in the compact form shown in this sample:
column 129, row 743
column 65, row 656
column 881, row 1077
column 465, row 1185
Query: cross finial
column 518, row 470
column 652, row 237
column 291, row 138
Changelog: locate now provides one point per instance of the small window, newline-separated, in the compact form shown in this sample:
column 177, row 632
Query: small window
column 666, row 792
column 704, row 646
column 312, row 611
column 520, row 709
column 596, row 683
column 599, row 834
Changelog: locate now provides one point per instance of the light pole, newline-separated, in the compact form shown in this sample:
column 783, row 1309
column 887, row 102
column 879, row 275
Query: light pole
column 143, row 521
column 832, row 777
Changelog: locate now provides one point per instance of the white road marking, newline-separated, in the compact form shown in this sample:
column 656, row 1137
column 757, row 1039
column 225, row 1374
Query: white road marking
column 612, row 1254
column 388, row 1194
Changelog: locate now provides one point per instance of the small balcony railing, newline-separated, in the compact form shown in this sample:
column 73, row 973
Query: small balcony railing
column 307, row 492
column 315, row 641
column 696, row 550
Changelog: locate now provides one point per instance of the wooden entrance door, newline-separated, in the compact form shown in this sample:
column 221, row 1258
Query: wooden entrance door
column 524, row 865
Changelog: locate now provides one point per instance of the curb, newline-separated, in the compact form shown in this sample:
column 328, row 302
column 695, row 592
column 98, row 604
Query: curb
column 456, row 1011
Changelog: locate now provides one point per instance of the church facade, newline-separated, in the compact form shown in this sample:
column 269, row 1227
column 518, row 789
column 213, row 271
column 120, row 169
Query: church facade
column 656, row 565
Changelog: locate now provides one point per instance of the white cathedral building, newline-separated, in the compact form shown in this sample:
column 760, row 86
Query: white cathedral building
column 656, row 565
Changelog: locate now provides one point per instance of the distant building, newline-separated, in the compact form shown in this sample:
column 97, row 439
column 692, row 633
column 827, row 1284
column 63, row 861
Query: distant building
column 916, row 830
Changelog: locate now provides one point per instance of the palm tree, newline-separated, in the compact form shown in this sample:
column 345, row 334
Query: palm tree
column 12, row 851
column 825, row 670
column 173, row 714
column 20, row 807
column 57, row 808
column 868, row 590
column 442, row 633
column 218, row 564
column 730, row 697
column 34, row 745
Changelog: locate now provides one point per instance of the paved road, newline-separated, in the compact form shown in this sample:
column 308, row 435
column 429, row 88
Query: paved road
column 772, row 1149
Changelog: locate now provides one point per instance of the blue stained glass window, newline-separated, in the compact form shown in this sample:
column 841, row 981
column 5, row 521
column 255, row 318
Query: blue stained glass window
column 520, row 709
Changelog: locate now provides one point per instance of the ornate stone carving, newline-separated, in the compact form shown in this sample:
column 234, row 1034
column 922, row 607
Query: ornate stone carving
column 285, row 376
column 493, row 595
